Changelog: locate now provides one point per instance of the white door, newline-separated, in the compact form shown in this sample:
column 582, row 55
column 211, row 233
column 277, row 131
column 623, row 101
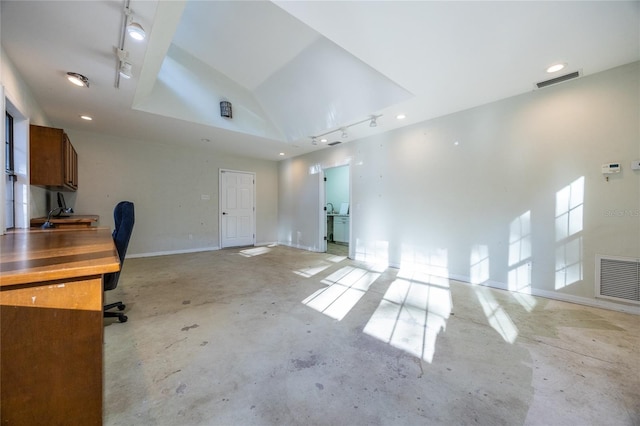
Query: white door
column 237, row 208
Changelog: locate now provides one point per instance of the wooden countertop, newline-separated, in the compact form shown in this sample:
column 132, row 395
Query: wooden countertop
column 36, row 255
column 76, row 219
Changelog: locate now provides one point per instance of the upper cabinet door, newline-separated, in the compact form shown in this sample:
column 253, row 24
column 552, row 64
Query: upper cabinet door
column 53, row 159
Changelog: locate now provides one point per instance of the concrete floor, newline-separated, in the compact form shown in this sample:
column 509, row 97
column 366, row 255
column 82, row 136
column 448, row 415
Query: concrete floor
column 338, row 249
column 279, row 336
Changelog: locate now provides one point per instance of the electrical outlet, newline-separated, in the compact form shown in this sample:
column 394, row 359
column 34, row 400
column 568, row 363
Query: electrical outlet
column 635, row 165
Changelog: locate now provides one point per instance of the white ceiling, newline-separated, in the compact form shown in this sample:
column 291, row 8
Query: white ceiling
column 294, row 69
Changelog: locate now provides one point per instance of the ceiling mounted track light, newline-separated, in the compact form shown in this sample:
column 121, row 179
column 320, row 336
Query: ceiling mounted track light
column 343, row 130
column 125, row 70
column 78, row 79
column 125, row 67
column 134, row 29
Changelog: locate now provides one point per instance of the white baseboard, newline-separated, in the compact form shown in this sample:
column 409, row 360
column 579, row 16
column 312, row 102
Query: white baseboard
column 168, row 253
column 563, row 297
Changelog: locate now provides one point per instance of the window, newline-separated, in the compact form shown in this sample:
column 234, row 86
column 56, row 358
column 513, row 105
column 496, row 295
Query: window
column 8, row 145
column 10, row 176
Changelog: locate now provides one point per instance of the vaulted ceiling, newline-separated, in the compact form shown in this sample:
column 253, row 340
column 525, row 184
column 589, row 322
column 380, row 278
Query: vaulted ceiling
column 297, row 69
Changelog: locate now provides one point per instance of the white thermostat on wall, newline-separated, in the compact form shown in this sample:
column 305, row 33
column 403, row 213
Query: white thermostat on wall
column 610, row 168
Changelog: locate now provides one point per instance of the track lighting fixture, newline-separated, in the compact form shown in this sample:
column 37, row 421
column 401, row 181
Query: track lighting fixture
column 343, row 130
column 78, row 79
column 125, row 70
column 134, row 29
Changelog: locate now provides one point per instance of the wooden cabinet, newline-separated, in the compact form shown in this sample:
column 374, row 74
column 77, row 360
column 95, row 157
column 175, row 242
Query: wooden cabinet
column 51, row 325
column 53, row 160
column 341, row 229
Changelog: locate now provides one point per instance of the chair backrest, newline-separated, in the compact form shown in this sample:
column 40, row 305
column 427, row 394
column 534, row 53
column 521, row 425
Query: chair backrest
column 124, row 218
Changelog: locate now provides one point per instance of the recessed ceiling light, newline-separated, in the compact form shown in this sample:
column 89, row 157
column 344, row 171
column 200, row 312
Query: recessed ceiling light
column 282, row 153
column 556, row 67
column 324, row 140
column 401, row 116
column 78, row 79
column 86, row 117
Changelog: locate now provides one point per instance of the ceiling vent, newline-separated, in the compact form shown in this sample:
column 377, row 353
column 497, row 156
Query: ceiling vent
column 335, row 143
column 557, row 80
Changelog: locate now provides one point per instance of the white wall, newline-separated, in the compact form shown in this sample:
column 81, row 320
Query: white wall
column 166, row 184
column 19, row 101
column 481, row 195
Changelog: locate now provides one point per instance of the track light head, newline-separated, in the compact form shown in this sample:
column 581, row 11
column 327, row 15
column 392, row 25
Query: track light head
column 314, row 140
column 125, row 70
column 373, row 122
column 344, row 132
column 136, row 31
column 78, row 79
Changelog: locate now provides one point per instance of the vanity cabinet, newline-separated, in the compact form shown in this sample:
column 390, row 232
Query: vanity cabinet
column 53, row 159
column 341, row 229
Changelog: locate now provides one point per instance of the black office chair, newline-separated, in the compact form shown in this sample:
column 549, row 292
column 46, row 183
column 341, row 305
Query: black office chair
column 124, row 218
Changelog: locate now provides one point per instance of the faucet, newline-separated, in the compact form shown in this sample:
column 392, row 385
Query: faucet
column 48, row 223
column 332, row 209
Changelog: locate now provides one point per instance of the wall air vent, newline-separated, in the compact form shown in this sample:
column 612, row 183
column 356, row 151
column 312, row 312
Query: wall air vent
column 334, row 143
column 557, row 80
column 618, row 278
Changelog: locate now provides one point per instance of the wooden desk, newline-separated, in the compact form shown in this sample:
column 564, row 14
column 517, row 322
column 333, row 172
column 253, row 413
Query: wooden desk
column 75, row 221
column 51, row 325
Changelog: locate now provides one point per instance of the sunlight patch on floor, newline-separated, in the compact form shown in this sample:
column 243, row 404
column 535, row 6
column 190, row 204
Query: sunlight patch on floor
column 498, row 319
column 310, row 271
column 346, row 288
column 336, row 259
column 257, row 251
column 412, row 313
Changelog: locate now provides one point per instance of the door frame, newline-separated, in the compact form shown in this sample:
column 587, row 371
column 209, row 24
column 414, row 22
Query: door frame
column 323, row 204
column 220, row 194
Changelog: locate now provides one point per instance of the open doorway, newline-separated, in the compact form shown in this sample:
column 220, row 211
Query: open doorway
column 338, row 210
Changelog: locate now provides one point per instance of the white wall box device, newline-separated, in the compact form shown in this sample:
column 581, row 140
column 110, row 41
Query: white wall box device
column 610, row 168
column 635, row 165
